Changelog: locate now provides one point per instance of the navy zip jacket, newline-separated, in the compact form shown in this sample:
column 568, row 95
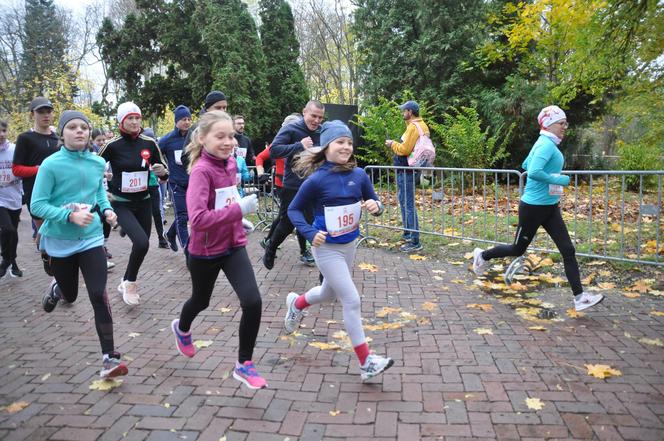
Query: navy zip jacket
column 287, row 144
column 327, row 188
column 169, row 144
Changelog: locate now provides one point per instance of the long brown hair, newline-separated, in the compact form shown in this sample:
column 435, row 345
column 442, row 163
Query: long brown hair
column 311, row 159
column 205, row 123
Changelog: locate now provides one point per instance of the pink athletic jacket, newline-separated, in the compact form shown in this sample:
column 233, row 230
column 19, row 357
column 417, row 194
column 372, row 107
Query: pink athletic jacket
column 213, row 232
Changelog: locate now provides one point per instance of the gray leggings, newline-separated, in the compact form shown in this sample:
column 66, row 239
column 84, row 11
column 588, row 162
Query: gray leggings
column 335, row 262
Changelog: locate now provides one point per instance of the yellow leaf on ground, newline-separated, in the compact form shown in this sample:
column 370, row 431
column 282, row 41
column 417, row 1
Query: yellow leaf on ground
column 444, row 288
column 537, row 328
column 458, row 281
column 330, row 322
column 534, row 403
column 387, row 310
column 45, row 377
column 468, row 255
column 549, row 278
column 640, row 286
column 429, row 306
column 632, row 295
column 417, row 257
column 438, row 271
column 15, row 407
column 651, row 341
column 602, row 370
column 384, row 326
column 202, row 343
column 606, row 285
column 133, row 334
column 573, row 313
column 424, row 321
column 335, row 412
column 324, row 346
column 483, row 331
column 456, row 262
column 657, row 313
column 596, row 263
column 368, row 267
column 486, row 307
column 408, row 316
column 605, row 273
column 224, row 310
column 105, row 385
column 588, row 280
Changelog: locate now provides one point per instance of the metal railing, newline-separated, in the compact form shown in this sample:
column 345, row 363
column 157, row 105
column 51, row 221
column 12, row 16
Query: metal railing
column 614, row 215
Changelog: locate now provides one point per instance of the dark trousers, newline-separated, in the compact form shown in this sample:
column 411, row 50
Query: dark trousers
column 9, row 233
column 155, row 200
column 240, row 274
column 92, row 264
column 301, row 240
column 179, row 226
column 135, row 218
column 284, row 226
column 530, row 219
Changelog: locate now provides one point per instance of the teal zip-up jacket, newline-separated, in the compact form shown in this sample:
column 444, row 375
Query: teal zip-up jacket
column 543, row 164
column 64, row 178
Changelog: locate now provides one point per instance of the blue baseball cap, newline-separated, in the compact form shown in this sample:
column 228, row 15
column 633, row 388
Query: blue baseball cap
column 410, row 105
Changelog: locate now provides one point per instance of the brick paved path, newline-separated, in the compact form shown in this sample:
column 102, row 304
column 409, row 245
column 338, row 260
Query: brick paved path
column 448, row 382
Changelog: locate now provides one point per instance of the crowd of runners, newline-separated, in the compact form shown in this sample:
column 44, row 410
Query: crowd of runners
column 79, row 183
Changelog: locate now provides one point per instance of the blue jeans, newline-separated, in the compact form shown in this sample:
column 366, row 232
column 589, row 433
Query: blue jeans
column 179, row 227
column 406, row 194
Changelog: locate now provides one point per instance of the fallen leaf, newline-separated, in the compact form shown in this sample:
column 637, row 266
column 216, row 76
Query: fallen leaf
column 45, row 377
column 424, row 321
column 596, row 263
column 606, row 285
column 167, row 405
column 573, row 313
column 429, row 306
column 458, row 281
column 106, row 384
column 651, row 341
column 384, row 326
column 15, row 407
column 537, row 328
column 324, row 346
column 386, row 310
column 483, row 331
column 632, row 295
column 408, row 316
column 335, row 412
column 486, row 307
column 602, row 370
column 224, row 310
column 202, row 343
column 417, row 257
column 588, row 280
column 468, row 255
column 368, row 267
column 456, row 262
column 657, row 313
column 133, row 334
column 640, row 286
column 534, row 403
column 331, row 322
column 438, row 271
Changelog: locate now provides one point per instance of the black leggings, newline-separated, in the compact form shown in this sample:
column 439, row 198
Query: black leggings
column 9, row 233
column 155, row 198
column 530, row 219
column 92, row 264
column 135, row 218
column 284, row 226
column 301, row 240
column 240, row 274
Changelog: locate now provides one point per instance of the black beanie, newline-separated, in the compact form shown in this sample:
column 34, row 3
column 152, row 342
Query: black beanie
column 214, row 97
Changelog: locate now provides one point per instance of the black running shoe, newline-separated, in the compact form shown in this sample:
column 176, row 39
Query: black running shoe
column 4, row 265
column 14, row 271
column 51, row 298
column 268, row 259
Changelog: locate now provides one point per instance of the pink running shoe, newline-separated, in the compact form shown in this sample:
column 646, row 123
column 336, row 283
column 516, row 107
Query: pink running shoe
column 183, row 340
column 247, row 374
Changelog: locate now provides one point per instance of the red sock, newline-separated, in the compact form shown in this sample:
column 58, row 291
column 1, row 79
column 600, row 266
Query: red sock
column 301, row 302
column 362, row 352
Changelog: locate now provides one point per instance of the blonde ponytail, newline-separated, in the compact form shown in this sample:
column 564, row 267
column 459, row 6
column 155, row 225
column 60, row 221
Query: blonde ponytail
column 194, row 149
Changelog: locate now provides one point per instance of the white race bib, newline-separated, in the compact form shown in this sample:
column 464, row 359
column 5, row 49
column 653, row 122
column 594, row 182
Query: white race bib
column 133, row 182
column 342, row 219
column 555, row 190
column 178, row 156
column 7, row 177
column 241, row 152
column 225, row 197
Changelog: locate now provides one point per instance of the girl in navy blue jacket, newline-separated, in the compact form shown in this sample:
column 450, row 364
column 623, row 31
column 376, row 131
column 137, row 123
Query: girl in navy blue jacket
column 338, row 191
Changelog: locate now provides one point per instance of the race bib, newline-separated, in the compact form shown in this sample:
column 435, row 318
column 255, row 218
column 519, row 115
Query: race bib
column 225, row 197
column 178, row 156
column 555, row 190
column 241, row 152
column 342, row 219
column 7, row 178
column 133, row 182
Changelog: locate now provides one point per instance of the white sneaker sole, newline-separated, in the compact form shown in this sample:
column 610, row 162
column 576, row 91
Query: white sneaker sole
column 117, row 371
column 246, row 383
column 585, row 306
column 366, row 378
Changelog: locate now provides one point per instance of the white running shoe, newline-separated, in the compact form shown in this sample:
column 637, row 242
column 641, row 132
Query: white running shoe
column 479, row 264
column 585, row 300
column 129, row 291
column 374, row 365
column 293, row 315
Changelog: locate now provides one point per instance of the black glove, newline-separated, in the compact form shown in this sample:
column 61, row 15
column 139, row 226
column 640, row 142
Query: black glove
column 262, row 179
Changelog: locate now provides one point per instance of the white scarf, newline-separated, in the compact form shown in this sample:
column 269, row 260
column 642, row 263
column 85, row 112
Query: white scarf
column 552, row 136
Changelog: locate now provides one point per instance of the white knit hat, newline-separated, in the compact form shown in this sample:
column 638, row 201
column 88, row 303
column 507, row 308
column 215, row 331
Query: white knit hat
column 126, row 109
column 550, row 115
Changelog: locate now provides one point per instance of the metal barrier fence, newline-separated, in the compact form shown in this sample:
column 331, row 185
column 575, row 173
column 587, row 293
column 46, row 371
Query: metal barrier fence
column 614, row 215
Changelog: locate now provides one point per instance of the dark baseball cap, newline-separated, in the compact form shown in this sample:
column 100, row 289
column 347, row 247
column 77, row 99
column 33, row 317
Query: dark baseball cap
column 39, row 103
column 410, row 105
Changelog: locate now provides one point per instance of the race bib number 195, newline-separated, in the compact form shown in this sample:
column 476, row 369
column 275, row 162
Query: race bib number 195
column 342, row 219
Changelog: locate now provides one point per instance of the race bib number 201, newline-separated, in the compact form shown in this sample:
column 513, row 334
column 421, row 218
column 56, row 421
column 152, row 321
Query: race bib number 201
column 342, row 219
column 133, row 182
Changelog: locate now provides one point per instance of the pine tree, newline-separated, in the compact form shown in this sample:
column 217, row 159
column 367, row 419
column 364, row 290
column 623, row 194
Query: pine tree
column 44, row 66
column 286, row 83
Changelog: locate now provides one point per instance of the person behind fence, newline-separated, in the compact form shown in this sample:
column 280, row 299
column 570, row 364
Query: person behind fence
column 406, row 178
column 539, row 205
column 338, row 190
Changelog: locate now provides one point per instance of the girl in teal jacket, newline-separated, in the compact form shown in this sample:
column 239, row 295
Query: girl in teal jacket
column 69, row 195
